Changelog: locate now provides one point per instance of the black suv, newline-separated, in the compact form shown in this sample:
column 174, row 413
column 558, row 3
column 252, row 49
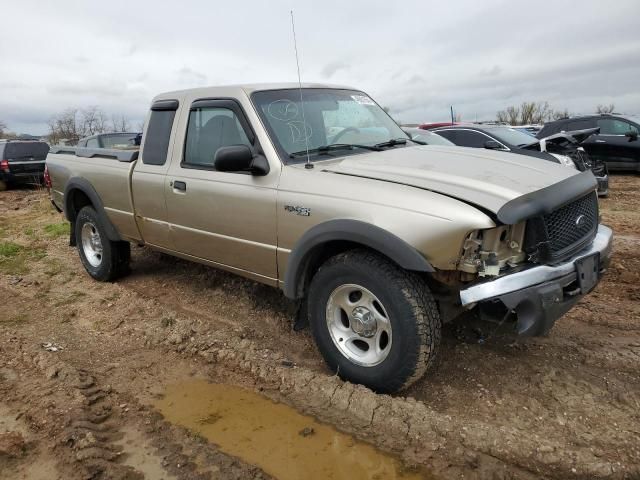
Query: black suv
column 617, row 143
column 22, row 161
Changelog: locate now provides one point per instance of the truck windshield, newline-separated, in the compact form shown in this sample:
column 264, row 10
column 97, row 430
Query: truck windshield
column 348, row 121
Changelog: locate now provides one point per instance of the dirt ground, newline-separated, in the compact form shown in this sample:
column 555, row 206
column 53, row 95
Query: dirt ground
column 83, row 364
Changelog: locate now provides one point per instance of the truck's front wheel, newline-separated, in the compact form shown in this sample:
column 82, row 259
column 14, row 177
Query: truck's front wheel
column 373, row 322
column 103, row 259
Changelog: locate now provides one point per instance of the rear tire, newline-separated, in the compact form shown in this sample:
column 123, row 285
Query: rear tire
column 103, row 259
column 373, row 322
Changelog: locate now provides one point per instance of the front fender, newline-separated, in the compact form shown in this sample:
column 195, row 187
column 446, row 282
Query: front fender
column 354, row 231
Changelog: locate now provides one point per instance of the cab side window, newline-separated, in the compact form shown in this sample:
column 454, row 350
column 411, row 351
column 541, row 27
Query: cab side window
column 611, row 126
column 92, row 143
column 209, row 129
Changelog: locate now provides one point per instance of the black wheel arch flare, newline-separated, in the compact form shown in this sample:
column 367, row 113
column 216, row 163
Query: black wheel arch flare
column 353, row 231
column 78, row 184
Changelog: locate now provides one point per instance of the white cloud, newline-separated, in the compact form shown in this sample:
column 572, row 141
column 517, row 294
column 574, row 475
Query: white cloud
column 417, row 57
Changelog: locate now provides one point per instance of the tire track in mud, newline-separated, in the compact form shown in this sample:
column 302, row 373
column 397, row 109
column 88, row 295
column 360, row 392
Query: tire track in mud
column 86, row 424
column 480, row 448
column 403, row 425
column 410, row 427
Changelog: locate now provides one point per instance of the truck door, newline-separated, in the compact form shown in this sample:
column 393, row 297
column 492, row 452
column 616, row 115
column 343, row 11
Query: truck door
column 228, row 218
column 150, row 172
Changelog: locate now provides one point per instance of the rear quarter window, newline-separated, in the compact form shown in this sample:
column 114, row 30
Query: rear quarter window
column 156, row 142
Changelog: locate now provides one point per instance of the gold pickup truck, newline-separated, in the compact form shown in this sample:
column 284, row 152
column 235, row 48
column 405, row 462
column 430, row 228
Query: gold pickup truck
column 317, row 191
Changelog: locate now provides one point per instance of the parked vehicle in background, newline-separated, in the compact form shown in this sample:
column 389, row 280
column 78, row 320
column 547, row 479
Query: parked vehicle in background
column 616, row 144
column 425, row 137
column 378, row 239
column 499, row 137
column 22, row 161
column 508, row 139
column 530, row 129
column 112, row 140
column 570, row 143
column 430, row 125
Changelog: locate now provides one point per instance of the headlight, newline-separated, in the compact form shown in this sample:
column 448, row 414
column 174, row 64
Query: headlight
column 564, row 160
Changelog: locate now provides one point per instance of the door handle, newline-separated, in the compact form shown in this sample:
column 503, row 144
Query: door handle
column 178, row 185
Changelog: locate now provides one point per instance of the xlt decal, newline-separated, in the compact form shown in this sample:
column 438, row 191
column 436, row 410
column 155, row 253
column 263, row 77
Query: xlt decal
column 304, row 211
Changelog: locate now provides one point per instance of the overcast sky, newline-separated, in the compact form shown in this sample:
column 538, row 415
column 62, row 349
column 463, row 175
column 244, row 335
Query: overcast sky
column 416, row 57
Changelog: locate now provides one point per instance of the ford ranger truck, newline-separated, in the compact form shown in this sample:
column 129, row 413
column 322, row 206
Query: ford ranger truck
column 318, row 192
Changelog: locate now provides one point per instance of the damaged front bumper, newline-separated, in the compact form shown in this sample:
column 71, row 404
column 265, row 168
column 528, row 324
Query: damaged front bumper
column 541, row 294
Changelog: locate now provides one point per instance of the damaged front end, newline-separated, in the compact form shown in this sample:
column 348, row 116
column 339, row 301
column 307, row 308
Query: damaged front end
column 487, row 252
column 549, row 252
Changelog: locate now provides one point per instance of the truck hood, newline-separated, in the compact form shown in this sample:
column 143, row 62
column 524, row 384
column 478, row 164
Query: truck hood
column 485, row 178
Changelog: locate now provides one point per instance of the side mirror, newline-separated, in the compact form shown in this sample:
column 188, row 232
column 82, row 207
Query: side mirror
column 239, row 158
column 631, row 135
column 492, row 145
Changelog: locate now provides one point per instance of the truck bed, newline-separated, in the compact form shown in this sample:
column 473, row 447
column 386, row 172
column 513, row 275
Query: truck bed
column 107, row 171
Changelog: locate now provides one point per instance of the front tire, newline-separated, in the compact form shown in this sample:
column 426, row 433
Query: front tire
column 103, row 259
column 374, row 323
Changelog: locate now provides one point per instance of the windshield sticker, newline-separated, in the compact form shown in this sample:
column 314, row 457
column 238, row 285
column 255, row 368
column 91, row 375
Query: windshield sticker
column 287, row 111
column 362, row 99
column 300, row 131
column 284, row 110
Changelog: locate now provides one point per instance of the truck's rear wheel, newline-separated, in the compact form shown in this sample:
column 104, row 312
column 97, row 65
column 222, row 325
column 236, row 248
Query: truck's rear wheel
column 103, row 259
column 373, row 322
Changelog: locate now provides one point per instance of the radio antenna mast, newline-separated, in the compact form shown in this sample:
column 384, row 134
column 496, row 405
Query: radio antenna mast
column 304, row 122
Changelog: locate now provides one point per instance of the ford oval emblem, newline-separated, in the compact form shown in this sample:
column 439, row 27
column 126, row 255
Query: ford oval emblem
column 580, row 220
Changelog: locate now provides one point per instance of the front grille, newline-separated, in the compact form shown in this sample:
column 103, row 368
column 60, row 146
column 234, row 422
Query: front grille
column 561, row 233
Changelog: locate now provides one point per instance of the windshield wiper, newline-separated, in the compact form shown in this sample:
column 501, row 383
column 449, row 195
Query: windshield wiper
column 392, row 143
column 325, row 149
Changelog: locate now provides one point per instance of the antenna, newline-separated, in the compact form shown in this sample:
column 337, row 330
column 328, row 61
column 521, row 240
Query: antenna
column 304, row 122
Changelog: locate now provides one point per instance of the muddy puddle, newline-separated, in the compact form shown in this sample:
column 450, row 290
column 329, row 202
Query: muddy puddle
column 275, row 437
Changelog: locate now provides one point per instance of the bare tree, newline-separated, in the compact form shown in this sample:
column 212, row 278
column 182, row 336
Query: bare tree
column 605, row 108
column 119, row 123
column 93, row 121
column 558, row 114
column 526, row 114
column 66, row 127
column 3, row 127
column 539, row 114
column 513, row 115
